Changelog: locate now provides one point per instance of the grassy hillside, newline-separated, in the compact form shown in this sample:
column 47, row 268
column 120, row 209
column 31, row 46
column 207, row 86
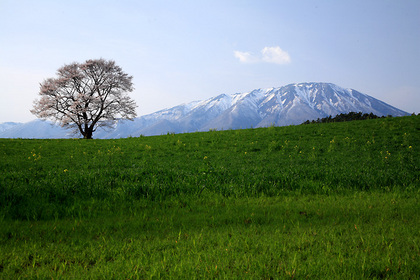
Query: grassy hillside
column 317, row 201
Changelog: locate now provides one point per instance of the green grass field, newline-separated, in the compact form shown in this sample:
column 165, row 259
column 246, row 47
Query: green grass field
column 319, row 201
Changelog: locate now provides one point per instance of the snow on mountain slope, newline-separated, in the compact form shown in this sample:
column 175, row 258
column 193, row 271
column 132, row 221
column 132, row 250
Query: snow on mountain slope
column 287, row 105
column 8, row 125
column 37, row 129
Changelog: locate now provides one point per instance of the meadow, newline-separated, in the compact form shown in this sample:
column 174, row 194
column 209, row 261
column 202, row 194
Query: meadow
column 317, row 201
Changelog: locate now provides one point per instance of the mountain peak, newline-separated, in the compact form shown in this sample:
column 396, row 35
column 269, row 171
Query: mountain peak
column 288, row 105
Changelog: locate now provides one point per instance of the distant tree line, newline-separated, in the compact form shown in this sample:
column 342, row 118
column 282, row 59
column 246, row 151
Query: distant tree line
column 352, row 116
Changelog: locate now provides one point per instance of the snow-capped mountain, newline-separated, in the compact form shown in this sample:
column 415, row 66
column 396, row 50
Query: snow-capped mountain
column 287, row 105
column 8, row 125
column 36, row 129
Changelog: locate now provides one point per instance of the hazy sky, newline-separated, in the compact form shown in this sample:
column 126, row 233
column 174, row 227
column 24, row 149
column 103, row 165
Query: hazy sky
column 181, row 51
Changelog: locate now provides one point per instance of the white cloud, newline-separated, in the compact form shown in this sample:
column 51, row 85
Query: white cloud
column 245, row 57
column 275, row 55
column 268, row 54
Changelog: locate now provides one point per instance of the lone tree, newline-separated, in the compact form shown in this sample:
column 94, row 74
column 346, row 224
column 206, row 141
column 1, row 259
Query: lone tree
column 86, row 96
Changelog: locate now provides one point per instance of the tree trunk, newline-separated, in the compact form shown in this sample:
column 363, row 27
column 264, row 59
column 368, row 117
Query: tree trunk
column 88, row 133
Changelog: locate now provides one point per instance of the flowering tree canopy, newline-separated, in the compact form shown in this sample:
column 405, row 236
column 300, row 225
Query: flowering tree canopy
column 86, row 96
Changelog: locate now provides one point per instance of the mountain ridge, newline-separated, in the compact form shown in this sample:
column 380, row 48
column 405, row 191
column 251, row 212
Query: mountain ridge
column 288, row 105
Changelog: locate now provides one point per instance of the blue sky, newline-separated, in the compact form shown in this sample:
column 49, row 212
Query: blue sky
column 181, row 51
